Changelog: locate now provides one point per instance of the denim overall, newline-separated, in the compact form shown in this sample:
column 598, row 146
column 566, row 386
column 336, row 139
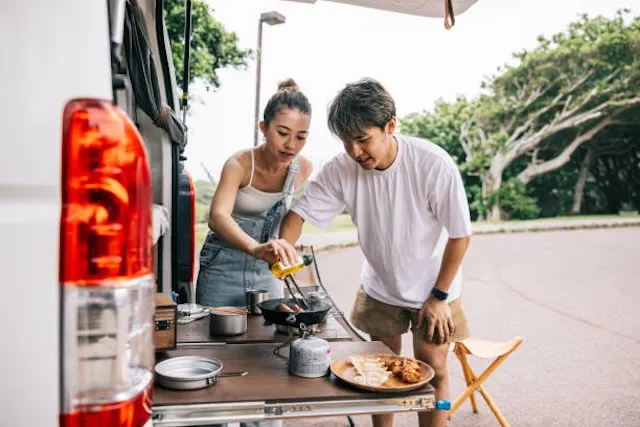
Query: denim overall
column 226, row 273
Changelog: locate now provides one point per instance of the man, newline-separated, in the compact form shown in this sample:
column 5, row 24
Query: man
column 407, row 200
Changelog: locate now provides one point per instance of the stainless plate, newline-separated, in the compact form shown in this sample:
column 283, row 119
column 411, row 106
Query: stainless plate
column 188, row 372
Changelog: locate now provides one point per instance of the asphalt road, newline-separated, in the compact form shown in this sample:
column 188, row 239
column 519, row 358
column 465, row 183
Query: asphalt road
column 575, row 298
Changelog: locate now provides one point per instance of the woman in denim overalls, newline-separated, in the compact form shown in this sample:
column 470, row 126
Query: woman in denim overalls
column 255, row 192
column 226, row 272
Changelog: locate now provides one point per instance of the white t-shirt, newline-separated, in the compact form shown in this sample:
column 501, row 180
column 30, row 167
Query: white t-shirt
column 404, row 216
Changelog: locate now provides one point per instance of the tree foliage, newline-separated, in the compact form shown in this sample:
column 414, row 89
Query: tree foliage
column 537, row 113
column 212, row 46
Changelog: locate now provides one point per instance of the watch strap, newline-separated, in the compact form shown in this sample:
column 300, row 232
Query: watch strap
column 439, row 294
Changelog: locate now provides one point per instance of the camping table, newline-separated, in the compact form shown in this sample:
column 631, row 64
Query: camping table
column 270, row 392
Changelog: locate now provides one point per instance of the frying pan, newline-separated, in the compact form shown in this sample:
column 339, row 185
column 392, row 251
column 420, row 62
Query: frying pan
column 316, row 313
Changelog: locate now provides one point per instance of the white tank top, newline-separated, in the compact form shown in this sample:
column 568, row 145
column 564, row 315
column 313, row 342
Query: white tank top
column 251, row 201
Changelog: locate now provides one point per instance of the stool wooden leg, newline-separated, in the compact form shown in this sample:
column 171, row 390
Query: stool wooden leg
column 478, row 384
column 501, row 419
column 469, row 378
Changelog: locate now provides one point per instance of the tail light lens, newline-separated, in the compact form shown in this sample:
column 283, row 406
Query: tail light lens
column 106, row 279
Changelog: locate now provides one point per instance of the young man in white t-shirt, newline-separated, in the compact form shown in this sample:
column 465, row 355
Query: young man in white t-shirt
column 407, row 200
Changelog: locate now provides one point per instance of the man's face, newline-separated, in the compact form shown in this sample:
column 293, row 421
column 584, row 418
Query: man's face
column 372, row 149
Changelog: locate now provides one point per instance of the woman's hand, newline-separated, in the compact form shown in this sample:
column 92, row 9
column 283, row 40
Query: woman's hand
column 276, row 250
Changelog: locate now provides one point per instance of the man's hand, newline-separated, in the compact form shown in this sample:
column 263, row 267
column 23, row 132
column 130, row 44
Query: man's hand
column 276, row 250
column 438, row 317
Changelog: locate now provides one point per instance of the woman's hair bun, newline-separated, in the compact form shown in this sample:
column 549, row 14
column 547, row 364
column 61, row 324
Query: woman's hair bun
column 289, row 85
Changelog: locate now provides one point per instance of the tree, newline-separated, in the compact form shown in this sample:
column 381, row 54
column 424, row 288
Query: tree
column 565, row 91
column 443, row 126
column 615, row 169
column 212, row 46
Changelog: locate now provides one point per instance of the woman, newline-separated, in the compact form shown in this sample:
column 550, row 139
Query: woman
column 255, row 191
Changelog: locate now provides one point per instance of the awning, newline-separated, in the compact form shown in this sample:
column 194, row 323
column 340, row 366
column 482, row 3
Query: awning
column 447, row 9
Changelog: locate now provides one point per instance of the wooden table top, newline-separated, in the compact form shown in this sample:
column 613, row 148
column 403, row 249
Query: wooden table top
column 268, row 379
column 257, row 332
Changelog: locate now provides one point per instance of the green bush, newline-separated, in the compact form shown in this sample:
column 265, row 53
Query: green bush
column 515, row 201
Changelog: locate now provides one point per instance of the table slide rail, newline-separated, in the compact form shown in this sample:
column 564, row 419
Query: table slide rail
column 214, row 413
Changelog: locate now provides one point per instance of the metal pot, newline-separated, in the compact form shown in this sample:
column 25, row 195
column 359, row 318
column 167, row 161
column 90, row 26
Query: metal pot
column 319, row 295
column 226, row 323
column 191, row 372
column 255, row 297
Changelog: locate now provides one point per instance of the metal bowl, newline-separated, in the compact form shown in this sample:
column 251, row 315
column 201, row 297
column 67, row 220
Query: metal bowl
column 188, row 372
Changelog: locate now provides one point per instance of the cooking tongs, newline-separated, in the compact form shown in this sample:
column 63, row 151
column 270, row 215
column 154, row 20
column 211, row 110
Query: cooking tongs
column 290, row 278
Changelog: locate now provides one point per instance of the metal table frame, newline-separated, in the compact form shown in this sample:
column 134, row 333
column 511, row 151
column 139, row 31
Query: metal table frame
column 202, row 414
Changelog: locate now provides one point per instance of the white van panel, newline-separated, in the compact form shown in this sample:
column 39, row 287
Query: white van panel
column 52, row 52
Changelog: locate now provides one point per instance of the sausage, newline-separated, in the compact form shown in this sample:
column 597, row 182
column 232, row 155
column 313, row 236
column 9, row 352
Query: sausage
column 296, row 308
column 285, row 308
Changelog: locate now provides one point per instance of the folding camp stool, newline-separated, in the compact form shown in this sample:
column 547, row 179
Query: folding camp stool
column 484, row 350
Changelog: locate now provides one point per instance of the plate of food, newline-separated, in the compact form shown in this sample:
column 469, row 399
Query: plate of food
column 383, row 372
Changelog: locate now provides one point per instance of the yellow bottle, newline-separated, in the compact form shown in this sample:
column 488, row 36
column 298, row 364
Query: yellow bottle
column 281, row 272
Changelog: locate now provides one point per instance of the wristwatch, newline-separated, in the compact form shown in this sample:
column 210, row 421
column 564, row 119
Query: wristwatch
column 439, row 294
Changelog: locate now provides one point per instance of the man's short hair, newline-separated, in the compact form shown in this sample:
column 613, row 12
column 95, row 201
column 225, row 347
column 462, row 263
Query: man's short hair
column 358, row 106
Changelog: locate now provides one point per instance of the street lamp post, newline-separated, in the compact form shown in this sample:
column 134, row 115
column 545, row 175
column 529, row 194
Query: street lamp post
column 271, row 18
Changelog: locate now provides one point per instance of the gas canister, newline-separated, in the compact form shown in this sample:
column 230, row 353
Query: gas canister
column 309, row 356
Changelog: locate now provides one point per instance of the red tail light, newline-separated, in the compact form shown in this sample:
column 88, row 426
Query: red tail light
column 105, row 269
column 192, row 199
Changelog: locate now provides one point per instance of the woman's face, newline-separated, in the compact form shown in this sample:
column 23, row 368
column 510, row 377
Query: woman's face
column 286, row 134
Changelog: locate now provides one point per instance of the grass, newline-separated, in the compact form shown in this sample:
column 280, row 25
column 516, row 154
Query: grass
column 340, row 223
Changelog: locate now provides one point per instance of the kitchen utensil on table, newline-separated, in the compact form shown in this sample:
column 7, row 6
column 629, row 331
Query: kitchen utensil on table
column 319, row 295
column 227, row 321
column 188, row 309
column 191, row 372
column 232, row 310
column 188, row 313
column 315, row 313
column 288, row 280
column 286, row 274
column 344, row 370
column 255, row 297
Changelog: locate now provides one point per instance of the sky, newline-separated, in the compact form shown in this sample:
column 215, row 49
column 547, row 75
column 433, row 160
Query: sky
column 325, row 45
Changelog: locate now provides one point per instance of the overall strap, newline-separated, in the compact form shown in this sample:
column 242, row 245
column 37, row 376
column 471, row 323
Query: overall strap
column 289, row 183
column 274, row 215
column 253, row 162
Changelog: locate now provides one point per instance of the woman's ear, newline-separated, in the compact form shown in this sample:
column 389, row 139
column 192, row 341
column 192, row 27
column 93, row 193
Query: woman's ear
column 391, row 126
column 263, row 127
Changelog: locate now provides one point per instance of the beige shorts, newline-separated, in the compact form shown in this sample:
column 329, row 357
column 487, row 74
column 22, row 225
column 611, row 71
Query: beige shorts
column 382, row 320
